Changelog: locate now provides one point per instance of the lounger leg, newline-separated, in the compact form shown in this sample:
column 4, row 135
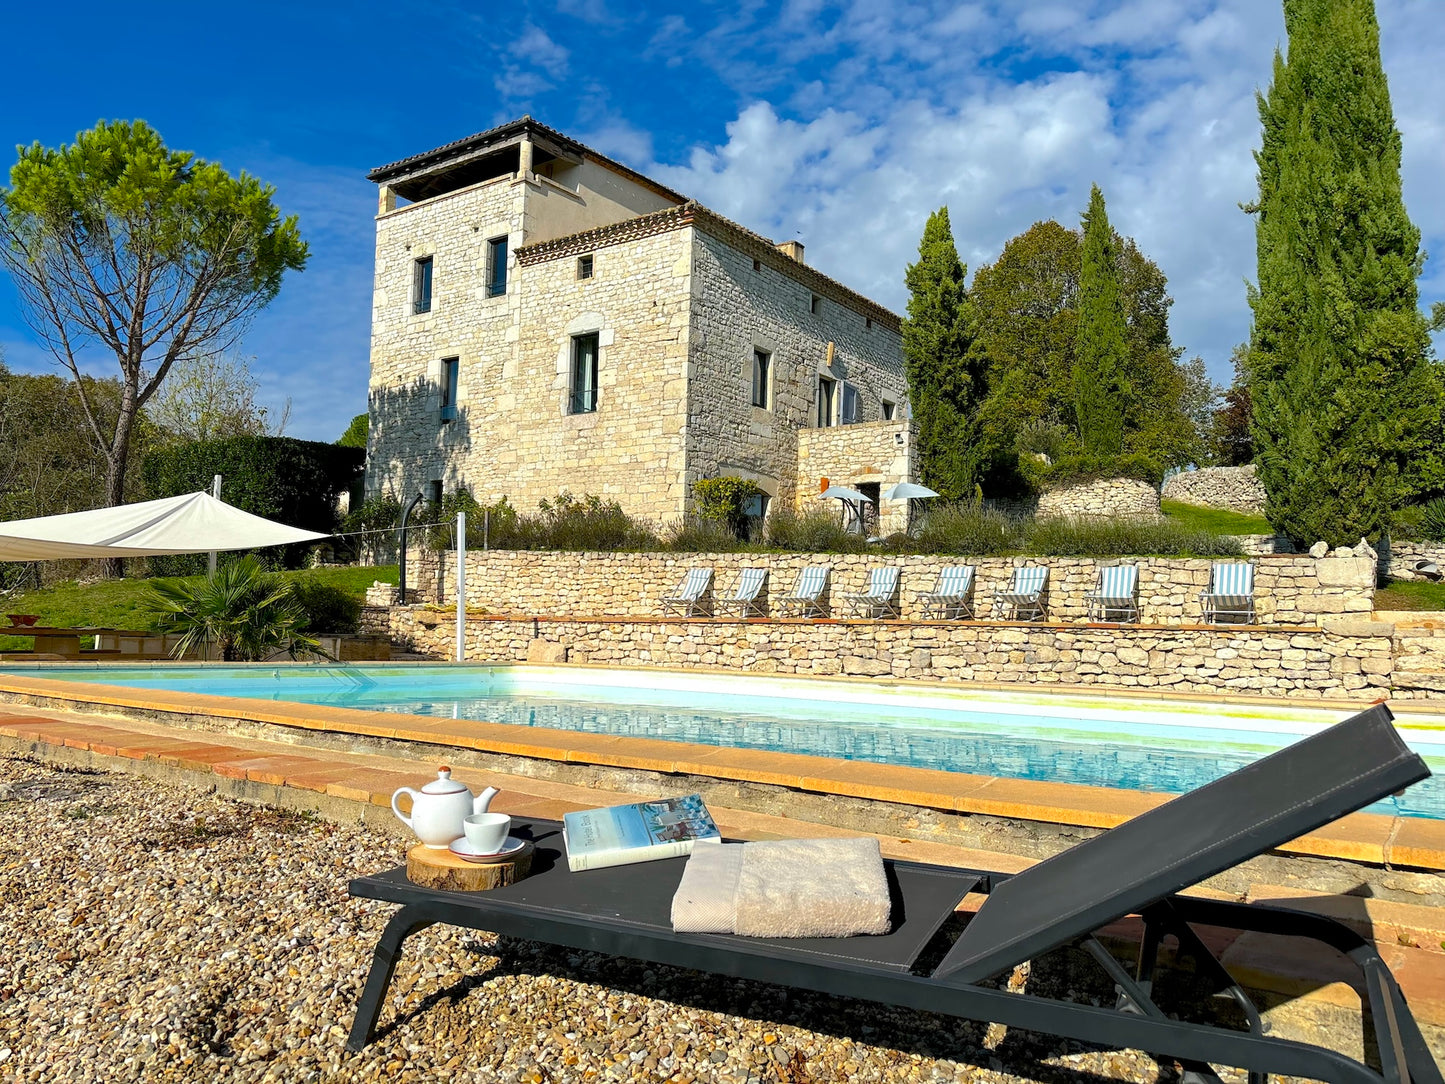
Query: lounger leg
column 403, row 924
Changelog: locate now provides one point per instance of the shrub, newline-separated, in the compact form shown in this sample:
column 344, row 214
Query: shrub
column 1099, row 537
column 326, row 608
column 586, row 523
column 1078, row 468
column 815, row 531
column 245, row 611
column 725, row 501
column 967, row 529
column 694, row 534
column 1430, row 520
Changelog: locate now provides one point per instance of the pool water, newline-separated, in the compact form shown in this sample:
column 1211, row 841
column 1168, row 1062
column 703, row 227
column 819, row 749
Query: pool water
column 1100, row 741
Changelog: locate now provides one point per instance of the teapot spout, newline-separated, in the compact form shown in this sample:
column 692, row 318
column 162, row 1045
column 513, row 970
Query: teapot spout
column 483, row 800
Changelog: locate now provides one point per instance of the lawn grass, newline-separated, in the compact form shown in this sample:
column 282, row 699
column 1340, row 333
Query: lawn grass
column 125, row 604
column 1215, row 520
column 1411, row 595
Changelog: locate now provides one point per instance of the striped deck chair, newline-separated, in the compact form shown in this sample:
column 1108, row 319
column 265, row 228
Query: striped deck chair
column 687, row 602
column 806, row 597
column 746, row 595
column 881, row 597
column 952, row 596
column 1117, row 594
column 1231, row 592
column 1023, row 598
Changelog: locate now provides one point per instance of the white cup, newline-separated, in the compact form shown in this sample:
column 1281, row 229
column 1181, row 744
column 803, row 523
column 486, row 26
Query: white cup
column 487, row 832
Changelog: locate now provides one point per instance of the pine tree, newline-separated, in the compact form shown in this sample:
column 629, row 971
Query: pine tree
column 942, row 388
column 1343, row 388
column 1101, row 350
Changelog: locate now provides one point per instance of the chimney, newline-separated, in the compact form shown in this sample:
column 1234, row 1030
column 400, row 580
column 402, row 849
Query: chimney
column 793, row 249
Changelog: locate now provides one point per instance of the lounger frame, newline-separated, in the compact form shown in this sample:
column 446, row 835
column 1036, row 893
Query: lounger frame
column 1021, row 600
column 952, row 596
column 688, row 602
column 1228, row 600
column 806, row 597
column 880, row 599
column 746, row 596
column 1117, row 593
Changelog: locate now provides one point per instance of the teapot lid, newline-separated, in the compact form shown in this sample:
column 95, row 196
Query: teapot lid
column 443, row 783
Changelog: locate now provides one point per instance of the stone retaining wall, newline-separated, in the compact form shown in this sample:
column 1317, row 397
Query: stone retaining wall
column 1290, row 590
column 1311, row 663
column 1399, row 563
column 1233, row 488
column 1120, row 498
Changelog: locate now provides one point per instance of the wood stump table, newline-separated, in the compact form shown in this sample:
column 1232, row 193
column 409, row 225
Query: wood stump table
column 432, row 867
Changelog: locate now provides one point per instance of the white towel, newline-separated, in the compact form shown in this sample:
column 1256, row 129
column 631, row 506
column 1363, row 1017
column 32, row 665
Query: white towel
column 788, row 888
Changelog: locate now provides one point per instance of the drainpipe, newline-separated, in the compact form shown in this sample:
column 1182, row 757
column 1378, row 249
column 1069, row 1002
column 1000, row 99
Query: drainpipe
column 405, row 516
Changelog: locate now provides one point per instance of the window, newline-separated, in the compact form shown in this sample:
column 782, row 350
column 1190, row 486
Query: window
column 496, row 267
column 434, row 491
column 850, row 404
column 825, row 401
column 449, row 388
column 762, row 373
column 888, row 409
column 868, row 323
column 421, row 285
column 756, row 506
column 584, row 267
column 757, row 265
column 584, row 374
column 815, row 305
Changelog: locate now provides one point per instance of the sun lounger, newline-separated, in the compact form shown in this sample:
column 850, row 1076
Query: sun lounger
column 1023, row 598
column 746, row 596
column 1231, row 592
column 881, row 597
column 688, row 600
column 1136, row 868
column 806, row 597
column 952, row 596
column 1116, row 594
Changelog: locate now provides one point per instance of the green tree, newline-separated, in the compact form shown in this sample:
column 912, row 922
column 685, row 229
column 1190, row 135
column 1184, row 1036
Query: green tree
column 355, row 435
column 1344, row 392
column 1102, row 388
column 211, row 397
column 151, row 254
column 943, row 389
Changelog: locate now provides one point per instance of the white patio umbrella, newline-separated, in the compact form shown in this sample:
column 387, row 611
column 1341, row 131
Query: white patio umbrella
column 907, row 491
column 852, row 500
column 190, row 523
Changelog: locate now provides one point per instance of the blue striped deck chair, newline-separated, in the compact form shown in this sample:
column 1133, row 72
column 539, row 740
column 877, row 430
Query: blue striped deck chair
column 1231, row 592
column 746, row 597
column 1116, row 594
column 688, row 601
column 1023, row 598
column 881, row 597
column 806, row 597
column 952, row 596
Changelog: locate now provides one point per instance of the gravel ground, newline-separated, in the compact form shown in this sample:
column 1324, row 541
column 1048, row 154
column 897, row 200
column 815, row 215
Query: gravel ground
column 149, row 932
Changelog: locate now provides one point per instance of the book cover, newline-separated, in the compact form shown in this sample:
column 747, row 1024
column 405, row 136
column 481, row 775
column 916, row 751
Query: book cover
column 644, row 832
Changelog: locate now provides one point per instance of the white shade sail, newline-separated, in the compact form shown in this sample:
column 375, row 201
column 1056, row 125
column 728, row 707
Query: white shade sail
column 190, row 523
column 908, row 491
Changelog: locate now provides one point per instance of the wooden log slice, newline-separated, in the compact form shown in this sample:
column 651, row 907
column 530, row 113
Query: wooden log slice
column 433, row 868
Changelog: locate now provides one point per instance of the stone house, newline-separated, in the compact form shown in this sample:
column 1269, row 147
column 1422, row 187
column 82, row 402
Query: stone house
column 546, row 319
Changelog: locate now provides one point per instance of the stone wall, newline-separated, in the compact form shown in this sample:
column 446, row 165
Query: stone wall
column 881, row 453
column 1113, row 497
column 1289, row 590
column 1233, row 488
column 1307, row 664
column 1400, row 561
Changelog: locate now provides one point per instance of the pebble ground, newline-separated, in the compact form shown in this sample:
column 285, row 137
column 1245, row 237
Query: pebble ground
column 150, row 932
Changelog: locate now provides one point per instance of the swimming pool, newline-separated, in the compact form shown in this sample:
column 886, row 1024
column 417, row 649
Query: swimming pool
column 1138, row 744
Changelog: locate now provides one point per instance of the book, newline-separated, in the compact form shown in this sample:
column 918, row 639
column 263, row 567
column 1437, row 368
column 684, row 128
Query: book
column 644, row 832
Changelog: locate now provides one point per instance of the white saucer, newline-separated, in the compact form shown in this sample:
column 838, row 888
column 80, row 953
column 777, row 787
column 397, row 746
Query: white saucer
column 463, row 848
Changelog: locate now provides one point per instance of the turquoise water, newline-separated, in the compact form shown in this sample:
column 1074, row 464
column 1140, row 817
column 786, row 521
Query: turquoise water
column 1096, row 741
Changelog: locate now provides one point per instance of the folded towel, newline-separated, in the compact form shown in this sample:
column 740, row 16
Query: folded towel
column 788, row 888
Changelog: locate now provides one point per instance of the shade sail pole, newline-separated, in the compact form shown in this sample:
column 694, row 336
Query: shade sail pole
column 211, row 557
column 461, row 586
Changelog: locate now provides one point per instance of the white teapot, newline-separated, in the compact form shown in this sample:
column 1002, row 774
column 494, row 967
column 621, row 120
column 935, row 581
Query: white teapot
column 437, row 810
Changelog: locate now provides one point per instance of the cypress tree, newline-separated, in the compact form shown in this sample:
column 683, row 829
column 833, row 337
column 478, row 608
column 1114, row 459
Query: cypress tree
column 1101, row 349
column 942, row 389
column 1340, row 375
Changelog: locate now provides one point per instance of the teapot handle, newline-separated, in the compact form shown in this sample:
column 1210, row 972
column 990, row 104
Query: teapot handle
column 399, row 814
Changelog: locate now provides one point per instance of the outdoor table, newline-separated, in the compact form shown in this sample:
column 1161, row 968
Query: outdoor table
column 61, row 640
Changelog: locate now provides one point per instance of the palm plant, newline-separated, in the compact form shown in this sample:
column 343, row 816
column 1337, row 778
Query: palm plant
column 247, row 612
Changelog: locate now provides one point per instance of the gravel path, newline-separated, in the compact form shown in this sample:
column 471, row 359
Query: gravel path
column 148, row 932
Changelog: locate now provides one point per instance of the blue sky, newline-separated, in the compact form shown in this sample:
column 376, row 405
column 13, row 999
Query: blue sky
column 842, row 125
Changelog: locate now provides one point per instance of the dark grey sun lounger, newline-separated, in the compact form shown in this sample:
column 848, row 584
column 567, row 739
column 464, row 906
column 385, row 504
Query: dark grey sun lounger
column 1133, row 869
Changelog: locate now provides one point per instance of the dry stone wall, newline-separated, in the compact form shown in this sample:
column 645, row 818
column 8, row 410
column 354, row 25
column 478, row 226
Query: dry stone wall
column 1122, row 498
column 1289, row 590
column 1404, row 559
column 1233, row 488
column 1305, row 664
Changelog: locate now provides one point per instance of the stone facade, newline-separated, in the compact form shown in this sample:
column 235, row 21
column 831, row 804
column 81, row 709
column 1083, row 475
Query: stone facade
column 680, row 301
column 1290, row 590
column 1306, row 664
column 1118, row 498
column 1233, row 488
column 870, row 457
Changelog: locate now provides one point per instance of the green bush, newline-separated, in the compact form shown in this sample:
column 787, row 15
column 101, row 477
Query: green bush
column 1430, row 520
column 244, row 611
column 966, row 529
column 587, row 523
column 694, row 534
column 1099, row 537
column 326, row 608
column 725, row 501
column 815, row 531
column 1079, row 468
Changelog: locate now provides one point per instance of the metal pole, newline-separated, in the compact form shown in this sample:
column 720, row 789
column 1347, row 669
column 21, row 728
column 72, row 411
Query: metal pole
column 401, row 544
column 211, row 557
column 461, row 586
